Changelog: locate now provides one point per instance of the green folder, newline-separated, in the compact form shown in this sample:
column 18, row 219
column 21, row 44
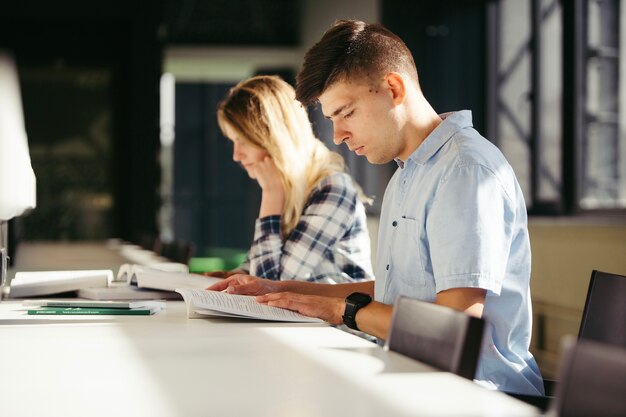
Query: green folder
column 83, row 311
column 217, row 259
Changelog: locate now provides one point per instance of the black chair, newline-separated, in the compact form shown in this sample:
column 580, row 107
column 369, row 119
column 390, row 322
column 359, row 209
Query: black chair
column 435, row 335
column 603, row 321
column 604, row 315
column 592, row 379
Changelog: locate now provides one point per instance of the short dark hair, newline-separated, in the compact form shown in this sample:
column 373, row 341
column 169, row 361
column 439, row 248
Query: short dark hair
column 352, row 49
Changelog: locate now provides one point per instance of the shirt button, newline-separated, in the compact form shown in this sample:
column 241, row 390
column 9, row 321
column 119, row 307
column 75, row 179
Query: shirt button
column 394, row 224
column 387, row 267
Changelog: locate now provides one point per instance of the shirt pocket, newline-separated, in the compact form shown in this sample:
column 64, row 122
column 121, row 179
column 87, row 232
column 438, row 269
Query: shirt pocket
column 407, row 255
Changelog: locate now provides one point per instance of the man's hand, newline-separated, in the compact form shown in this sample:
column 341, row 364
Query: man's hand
column 246, row 285
column 329, row 309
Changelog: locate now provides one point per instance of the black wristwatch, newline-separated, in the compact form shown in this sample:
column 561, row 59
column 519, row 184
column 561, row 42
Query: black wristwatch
column 354, row 302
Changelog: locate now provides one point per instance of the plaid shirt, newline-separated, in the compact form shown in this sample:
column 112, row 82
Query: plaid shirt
column 330, row 243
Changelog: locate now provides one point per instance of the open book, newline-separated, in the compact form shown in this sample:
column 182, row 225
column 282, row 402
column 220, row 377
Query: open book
column 133, row 282
column 31, row 284
column 148, row 277
column 127, row 274
column 139, row 282
column 203, row 303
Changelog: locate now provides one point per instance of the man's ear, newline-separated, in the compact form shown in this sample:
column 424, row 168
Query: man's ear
column 397, row 87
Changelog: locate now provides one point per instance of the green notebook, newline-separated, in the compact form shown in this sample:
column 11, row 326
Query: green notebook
column 93, row 311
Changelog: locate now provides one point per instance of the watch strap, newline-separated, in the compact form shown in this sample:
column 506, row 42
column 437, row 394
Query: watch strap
column 354, row 302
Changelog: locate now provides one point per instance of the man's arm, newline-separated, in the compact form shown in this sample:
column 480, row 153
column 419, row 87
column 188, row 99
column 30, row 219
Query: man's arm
column 327, row 301
column 375, row 318
column 469, row 300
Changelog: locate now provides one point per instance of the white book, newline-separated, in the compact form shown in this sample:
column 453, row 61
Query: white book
column 126, row 272
column 203, row 303
column 127, row 292
column 31, row 284
column 94, row 304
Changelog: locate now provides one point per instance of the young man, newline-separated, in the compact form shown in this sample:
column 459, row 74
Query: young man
column 453, row 227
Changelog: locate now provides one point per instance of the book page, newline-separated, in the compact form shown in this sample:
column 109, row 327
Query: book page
column 199, row 301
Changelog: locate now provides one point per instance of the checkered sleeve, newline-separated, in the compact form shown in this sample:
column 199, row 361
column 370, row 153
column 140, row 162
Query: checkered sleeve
column 327, row 217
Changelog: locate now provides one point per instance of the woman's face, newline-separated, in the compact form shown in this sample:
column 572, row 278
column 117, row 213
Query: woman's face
column 245, row 153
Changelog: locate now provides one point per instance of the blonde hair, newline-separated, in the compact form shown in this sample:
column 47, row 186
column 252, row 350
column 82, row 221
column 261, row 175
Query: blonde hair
column 263, row 111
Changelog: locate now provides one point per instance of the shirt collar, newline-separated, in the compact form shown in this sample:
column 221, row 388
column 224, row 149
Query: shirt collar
column 452, row 123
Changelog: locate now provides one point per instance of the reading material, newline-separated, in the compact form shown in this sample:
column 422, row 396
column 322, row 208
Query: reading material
column 165, row 280
column 125, row 275
column 94, row 311
column 93, row 304
column 220, row 304
column 30, row 284
column 100, row 284
column 127, row 292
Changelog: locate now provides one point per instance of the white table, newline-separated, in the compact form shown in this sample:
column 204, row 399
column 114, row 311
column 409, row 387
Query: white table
column 168, row 365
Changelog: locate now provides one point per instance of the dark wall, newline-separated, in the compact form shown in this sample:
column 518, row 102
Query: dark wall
column 233, row 22
column 117, row 39
column 447, row 39
column 215, row 202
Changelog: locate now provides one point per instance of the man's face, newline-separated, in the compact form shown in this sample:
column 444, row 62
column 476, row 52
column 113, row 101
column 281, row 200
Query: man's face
column 364, row 118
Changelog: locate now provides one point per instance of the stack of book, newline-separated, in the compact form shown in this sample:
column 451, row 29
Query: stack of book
column 87, row 307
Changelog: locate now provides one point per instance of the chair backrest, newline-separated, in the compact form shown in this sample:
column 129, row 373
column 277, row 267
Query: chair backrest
column 438, row 336
column 592, row 380
column 604, row 315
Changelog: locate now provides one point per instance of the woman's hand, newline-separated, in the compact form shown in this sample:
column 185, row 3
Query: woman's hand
column 221, row 274
column 247, row 285
column 269, row 179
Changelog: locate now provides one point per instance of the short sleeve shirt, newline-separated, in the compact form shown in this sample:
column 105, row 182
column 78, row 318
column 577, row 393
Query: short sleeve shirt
column 454, row 216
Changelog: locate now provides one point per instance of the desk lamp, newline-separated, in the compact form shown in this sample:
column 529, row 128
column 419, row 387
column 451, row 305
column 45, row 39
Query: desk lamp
column 17, row 179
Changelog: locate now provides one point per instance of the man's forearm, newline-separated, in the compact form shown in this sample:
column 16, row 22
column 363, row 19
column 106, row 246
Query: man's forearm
column 375, row 319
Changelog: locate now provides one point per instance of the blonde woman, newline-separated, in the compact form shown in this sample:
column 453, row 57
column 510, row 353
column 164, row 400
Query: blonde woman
column 311, row 223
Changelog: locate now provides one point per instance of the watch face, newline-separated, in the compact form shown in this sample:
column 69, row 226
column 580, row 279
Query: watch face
column 359, row 298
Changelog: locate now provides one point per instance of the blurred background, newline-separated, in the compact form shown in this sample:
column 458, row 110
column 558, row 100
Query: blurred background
column 119, row 103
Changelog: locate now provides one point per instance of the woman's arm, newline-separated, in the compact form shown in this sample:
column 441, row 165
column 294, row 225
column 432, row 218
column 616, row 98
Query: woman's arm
column 327, row 217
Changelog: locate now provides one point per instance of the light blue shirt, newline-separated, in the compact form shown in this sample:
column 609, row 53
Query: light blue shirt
column 454, row 216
